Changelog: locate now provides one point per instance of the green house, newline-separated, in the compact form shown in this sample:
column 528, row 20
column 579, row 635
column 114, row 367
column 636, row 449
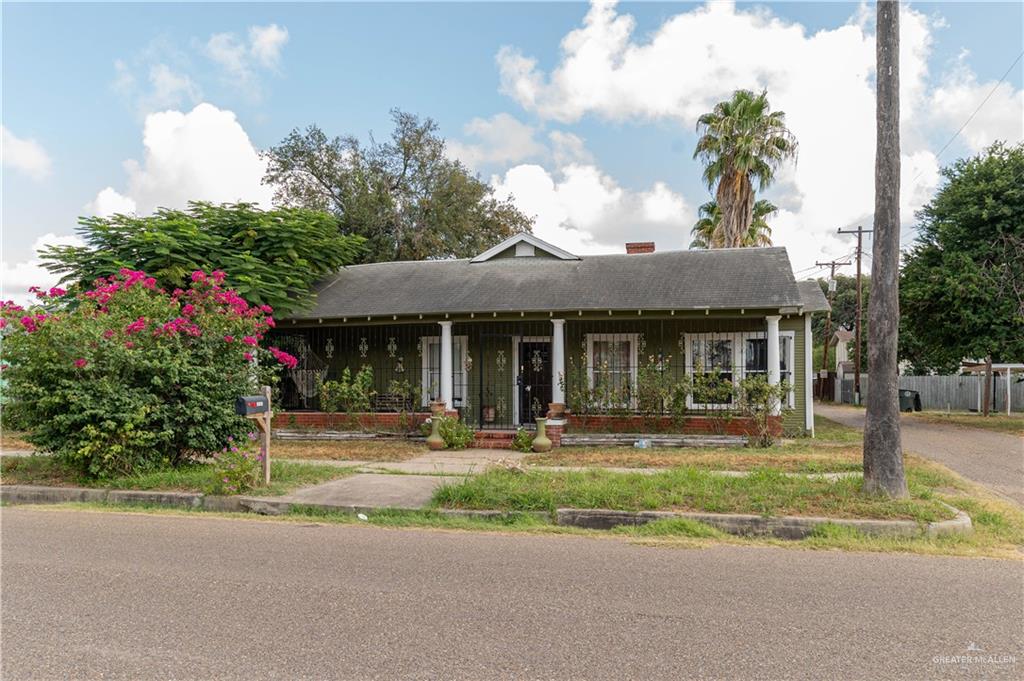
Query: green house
column 526, row 327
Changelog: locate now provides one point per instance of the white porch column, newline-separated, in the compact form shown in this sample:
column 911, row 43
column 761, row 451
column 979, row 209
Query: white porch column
column 557, row 361
column 808, row 375
column 774, row 370
column 447, row 393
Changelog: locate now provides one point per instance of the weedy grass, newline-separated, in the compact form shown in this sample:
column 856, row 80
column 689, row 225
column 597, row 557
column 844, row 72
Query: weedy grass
column 384, row 449
column 1000, row 423
column 197, row 477
column 764, row 491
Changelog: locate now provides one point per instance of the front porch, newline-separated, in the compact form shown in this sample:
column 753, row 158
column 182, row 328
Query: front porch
column 619, row 372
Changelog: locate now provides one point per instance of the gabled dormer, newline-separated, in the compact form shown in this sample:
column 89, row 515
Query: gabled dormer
column 524, row 245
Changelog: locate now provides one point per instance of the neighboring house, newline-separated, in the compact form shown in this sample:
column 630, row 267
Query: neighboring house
column 525, row 324
column 841, row 339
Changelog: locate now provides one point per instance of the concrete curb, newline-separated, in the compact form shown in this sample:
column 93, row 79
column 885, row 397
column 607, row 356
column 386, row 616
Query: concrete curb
column 40, row 494
column 783, row 527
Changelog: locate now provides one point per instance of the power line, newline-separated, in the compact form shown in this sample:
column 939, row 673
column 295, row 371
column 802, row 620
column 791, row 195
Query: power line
column 970, row 118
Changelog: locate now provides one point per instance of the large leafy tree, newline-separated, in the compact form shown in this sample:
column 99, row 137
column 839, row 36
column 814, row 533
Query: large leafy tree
column 962, row 285
column 270, row 257
column 844, row 313
column 406, row 196
column 707, row 231
column 742, row 142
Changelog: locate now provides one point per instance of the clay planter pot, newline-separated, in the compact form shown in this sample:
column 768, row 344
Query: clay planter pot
column 437, row 408
column 434, row 440
column 556, row 410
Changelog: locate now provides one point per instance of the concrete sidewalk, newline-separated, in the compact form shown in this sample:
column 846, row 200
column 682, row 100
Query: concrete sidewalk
column 371, row 490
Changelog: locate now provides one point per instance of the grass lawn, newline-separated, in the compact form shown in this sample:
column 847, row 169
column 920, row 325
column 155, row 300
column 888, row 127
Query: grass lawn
column 390, row 449
column 200, row 477
column 997, row 422
column 836, row 448
column 764, row 492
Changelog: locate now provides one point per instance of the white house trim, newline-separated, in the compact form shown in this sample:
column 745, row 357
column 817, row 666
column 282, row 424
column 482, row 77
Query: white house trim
column 808, row 373
column 524, row 238
column 739, row 360
column 461, row 344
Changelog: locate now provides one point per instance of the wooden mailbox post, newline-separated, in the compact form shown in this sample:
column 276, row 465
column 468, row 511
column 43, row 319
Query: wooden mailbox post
column 257, row 408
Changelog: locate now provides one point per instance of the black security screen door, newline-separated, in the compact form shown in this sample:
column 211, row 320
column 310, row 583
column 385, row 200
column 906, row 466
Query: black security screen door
column 534, row 382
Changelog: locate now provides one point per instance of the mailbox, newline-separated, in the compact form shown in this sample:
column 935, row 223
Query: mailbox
column 249, row 405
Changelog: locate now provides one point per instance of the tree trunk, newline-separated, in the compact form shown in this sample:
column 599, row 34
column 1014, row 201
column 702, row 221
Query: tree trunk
column 735, row 197
column 883, row 452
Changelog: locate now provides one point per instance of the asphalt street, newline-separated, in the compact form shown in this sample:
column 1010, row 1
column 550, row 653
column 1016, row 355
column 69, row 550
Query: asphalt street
column 133, row 596
column 996, row 460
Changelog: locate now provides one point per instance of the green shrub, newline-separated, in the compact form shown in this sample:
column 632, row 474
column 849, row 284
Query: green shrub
column 351, row 395
column 523, row 440
column 455, row 433
column 239, row 467
column 757, row 399
column 127, row 377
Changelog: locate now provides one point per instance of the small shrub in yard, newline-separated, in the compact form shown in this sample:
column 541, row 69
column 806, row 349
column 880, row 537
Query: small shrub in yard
column 522, row 441
column 757, row 399
column 350, row 394
column 455, row 433
column 239, row 467
column 126, row 378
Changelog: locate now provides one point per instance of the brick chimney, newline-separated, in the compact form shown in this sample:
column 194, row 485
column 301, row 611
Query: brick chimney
column 634, row 247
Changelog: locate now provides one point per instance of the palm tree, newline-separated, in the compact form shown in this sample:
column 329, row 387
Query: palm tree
column 741, row 141
column 707, row 231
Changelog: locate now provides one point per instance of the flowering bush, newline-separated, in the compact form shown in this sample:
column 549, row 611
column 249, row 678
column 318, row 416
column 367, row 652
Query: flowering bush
column 239, row 466
column 126, row 377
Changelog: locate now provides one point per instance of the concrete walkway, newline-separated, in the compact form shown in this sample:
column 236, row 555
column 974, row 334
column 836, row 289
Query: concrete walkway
column 372, row 490
column 993, row 459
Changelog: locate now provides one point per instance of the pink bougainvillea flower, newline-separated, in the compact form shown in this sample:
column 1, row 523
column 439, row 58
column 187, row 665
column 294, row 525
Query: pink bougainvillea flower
column 29, row 323
column 109, row 333
column 3, row 322
column 188, row 309
column 57, row 292
column 198, row 276
column 136, row 326
column 218, row 276
column 249, row 340
column 80, row 363
column 129, row 344
column 248, row 356
column 284, row 358
column 229, row 339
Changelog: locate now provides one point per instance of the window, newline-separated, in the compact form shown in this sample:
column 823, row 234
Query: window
column 711, row 362
column 611, row 367
column 734, row 356
column 430, row 354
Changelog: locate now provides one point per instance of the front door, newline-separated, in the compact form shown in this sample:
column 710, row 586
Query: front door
column 534, row 380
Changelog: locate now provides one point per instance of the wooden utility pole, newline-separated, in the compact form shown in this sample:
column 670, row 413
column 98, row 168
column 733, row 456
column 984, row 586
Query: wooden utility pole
column 883, row 451
column 860, row 232
column 986, row 382
column 828, row 319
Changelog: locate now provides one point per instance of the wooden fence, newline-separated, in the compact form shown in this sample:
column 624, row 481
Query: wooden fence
column 956, row 393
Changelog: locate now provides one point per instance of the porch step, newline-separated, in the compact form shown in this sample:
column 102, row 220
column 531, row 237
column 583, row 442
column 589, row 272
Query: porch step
column 659, row 440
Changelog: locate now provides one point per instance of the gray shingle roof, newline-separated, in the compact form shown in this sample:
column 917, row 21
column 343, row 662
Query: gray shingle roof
column 812, row 297
column 670, row 280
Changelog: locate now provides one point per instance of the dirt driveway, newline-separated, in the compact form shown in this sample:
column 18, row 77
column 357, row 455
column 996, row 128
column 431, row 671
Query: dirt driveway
column 996, row 460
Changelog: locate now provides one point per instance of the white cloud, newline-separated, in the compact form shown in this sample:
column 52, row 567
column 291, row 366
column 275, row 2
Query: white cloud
column 242, row 58
column 266, row 43
column 567, row 148
column 822, row 80
column 204, row 154
column 585, row 211
column 499, row 139
column 109, row 201
column 17, row 278
column 960, row 94
column 25, row 155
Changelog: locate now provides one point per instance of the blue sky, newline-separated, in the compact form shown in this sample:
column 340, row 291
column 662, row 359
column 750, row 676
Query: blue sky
column 593, row 134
